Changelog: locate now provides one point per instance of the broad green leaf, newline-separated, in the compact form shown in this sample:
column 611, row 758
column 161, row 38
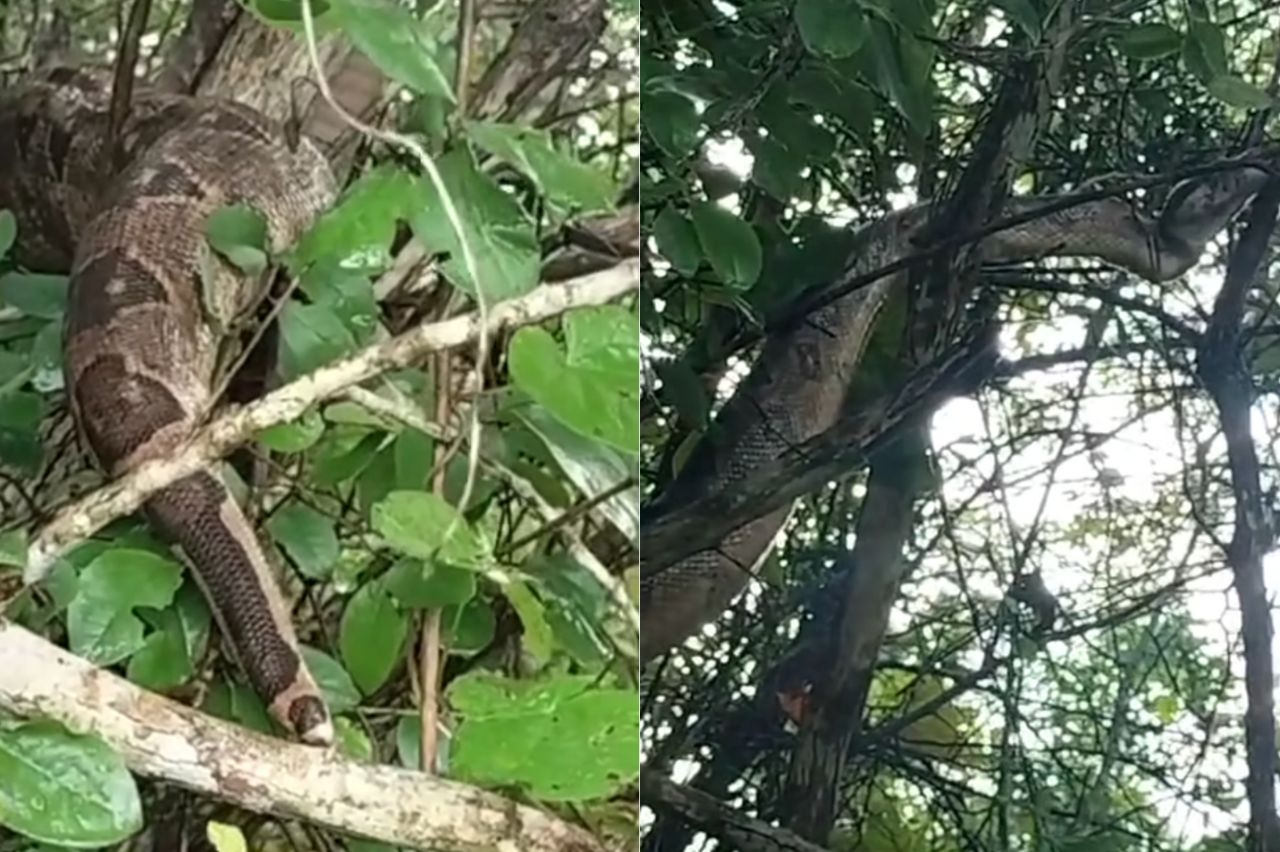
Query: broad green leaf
column 425, row 584
column 409, row 741
column 310, row 337
column 834, row 28
column 179, row 635
column 1236, row 92
column 339, row 690
column 352, row 740
column 415, row 523
column 397, row 43
column 672, row 120
column 162, row 662
column 307, row 536
column 65, row 788
column 295, row 436
column 349, row 295
column 559, row 738
column 343, row 453
column 1150, row 41
column 593, row 387
column 1204, row 52
column 777, row 169
column 239, row 233
column 356, row 234
column 378, row 479
column 13, row 548
column 470, row 626
column 371, row 636
column 20, row 416
column 501, row 237
column 570, row 185
column 683, row 389
column 729, row 243
column 225, row 838
column 415, row 456
column 537, row 636
column 8, row 231
column 35, row 294
column 593, row 467
column 677, row 241
column 101, row 624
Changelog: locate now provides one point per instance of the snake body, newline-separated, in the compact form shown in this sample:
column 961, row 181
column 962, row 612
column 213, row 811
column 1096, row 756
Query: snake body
column 149, row 307
column 797, row 387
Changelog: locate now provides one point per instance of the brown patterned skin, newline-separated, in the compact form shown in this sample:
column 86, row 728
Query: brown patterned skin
column 148, row 306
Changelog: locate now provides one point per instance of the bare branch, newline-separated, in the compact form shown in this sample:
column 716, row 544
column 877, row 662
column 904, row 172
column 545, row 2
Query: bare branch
column 124, row 495
column 162, row 739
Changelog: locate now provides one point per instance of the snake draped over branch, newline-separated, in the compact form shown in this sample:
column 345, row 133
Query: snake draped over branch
column 146, row 342
column 797, row 387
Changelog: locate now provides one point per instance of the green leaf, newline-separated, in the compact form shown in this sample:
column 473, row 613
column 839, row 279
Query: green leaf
column 8, row 231
column 833, row 28
column 593, row 387
column 416, row 583
column 65, row 788
column 225, row 838
column 1236, row 92
column 46, row 357
column 296, row 436
column 1204, row 52
column 239, row 233
column 729, row 243
column 101, row 624
column 570, row 185
column 349, row 295
column 593, row 467
column 397, row 43
column 352, row 740
column 538, row 639
column 310, row 337
column 558, row 738
column 371, row 636
column 162, row 662
column 13, row 548
column 498, row 232
column 356, row 234
column 339, row 690
column 20, row 417
column 1150, row 41
column 677, row 241
column 409, row 741
column 415, row 523
column 415, row 455
column 672, row 120
column 471, row 626
column 35, row 294
column 307, row 536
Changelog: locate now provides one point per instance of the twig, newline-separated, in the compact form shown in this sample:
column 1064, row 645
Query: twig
column 162, row 739
column 89, row 514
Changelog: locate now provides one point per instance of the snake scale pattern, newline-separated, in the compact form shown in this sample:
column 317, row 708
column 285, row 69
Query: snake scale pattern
column 796, row 388
column 148, row 308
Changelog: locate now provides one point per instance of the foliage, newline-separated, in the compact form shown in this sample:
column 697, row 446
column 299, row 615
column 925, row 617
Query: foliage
column 798, row 122
column 351, row 503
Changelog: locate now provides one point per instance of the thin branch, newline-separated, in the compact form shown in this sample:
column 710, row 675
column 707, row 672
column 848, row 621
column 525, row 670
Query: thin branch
column 116, row 499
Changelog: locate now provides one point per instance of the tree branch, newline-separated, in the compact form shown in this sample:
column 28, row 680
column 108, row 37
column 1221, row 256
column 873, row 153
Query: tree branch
column 230, row 430
column 162, row 739
column 718, row 819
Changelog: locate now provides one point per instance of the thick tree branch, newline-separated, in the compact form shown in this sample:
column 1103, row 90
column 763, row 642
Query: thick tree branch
column 1226, row 376
column 162, row 739
column 718, row 819
column 118, row 498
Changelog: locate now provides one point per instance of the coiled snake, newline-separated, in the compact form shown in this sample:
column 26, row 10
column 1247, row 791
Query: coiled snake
column 148, row 307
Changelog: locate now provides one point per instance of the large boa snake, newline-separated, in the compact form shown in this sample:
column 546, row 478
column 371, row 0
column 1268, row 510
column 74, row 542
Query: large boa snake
column 148, row 307
column 797, row 387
